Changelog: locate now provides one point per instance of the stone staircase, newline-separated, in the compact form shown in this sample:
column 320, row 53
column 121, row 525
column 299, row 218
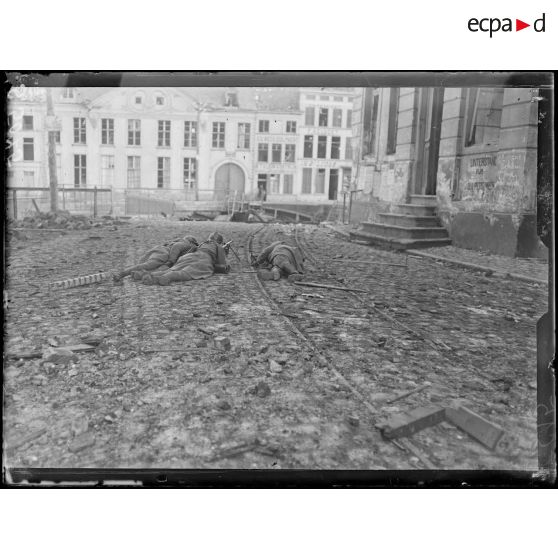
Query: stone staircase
column 411, row 225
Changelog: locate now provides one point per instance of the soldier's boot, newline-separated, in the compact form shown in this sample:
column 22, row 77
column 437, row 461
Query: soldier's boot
column 148, row 279
column 275, row 273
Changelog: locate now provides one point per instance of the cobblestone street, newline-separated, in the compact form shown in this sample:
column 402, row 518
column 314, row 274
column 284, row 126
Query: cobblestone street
column 310, row 372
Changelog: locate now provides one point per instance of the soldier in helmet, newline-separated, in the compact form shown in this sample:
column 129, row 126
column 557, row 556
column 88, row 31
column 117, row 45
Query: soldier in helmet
column 279, row 259
column 159, row 258
column 209, row 258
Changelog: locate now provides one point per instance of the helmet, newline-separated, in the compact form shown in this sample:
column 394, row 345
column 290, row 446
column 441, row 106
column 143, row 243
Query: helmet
column 191, row 239
column 216, row 237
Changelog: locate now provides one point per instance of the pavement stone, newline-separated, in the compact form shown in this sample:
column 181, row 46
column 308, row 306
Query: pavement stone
column 157, row 393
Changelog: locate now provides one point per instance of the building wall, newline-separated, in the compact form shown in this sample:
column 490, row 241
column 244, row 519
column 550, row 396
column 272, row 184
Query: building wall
column 331, row 99
column 485, row 191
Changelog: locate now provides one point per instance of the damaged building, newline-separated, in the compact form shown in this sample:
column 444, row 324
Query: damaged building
column 437, row 165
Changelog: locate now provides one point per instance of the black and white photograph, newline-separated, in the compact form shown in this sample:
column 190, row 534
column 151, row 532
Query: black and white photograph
column 279, row 278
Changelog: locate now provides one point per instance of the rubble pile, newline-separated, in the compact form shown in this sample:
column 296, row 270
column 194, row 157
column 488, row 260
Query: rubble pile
column 65, row 220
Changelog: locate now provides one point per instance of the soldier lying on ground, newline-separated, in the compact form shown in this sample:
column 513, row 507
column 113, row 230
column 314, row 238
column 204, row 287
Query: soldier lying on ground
column 161, row 257
column 280, row 259
column 209, row 258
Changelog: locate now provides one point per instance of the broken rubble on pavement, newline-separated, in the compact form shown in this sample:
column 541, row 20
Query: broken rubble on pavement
column 190, row 377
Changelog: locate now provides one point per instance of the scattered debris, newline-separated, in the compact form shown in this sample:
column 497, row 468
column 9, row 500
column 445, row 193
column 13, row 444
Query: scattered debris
column 224, row 405
column 59, row 355
column 23, row 440
column 80, row 425
column 83, row 280
column 417, row 453
column 222, row 343
column 263, row 390
column 408, row 393
column 353, row 421
column 81, row 442
column 274, row 366
column 407, row 424
column 233, row 451
column 480, row 429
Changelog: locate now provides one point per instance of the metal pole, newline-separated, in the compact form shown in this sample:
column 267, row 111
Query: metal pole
column 350, row 205
column 53, row 182
column 344, row 204
column 95, row 202
column 14, row 203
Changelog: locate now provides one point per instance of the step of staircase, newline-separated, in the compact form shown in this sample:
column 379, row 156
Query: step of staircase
column 405, row 220
column 427, row 201
column 418, row 210
column 396, row 231
column 398, row 243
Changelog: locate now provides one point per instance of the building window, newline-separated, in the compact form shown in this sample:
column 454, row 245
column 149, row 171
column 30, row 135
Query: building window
column 290, row 150
column 335, row 147
column 322, row 147
column 160, row 101
column 322, row 117
column 263, row 126
column 80, row 171
column 68, row 92
column 338, row 99
column 190, row 173
column 324, row 97
column 263, row 149
column 27, row 122
column 291, row 126
column 231, row 99
column 308, row 146
column 311, row 97
column 274, row 183
column 107, row 131
column 349, row 118
column 10, row 122
column 163, row 133
column 138, row 99
column 348, row 149
column 483, row 116
column 243, row 135
column 107, row 170
column 392, row 120
column 190, row 133
column 276, row 152
column 287, row 184
column 28, row 179
column 28, row 149
column 163, row 172
column 309, row 116
column 307, row 181
column 370, row 120
column 134, row 132
column 337, row 118
column 218, row 135
column 79, row 130
column 320, row 181
column 54, row 136
column 134, row 172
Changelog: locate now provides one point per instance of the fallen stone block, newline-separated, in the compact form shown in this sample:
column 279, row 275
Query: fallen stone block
column 222, row 343
column 407, row 424
column 274, row 366
column 263, row 390
column 485, row 432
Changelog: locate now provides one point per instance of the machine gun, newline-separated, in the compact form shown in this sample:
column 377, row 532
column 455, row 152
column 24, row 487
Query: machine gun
column 228, row 246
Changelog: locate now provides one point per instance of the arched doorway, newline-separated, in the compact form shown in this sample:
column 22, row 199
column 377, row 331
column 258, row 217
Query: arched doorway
column 228, row 179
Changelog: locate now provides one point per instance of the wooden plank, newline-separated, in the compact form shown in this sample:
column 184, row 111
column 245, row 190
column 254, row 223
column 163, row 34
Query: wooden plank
column 407, row 424
column 482, row 430
column 26, row 439
column 321, row 286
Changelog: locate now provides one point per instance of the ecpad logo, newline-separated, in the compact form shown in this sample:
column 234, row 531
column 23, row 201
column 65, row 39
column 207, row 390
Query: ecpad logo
column 494, row 24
